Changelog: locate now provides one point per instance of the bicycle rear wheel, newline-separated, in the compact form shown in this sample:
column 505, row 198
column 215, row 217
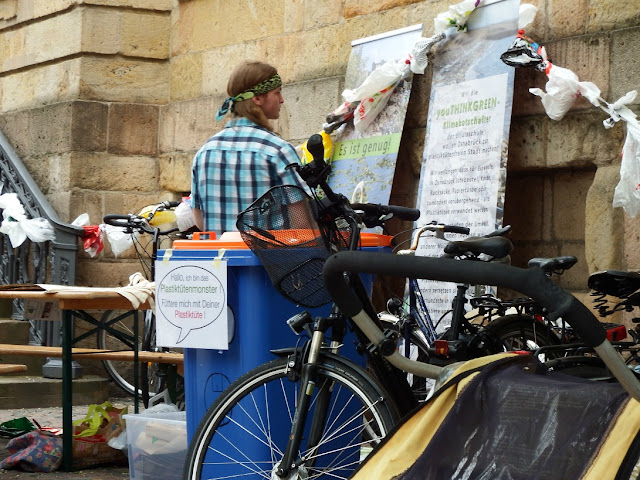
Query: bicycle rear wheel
column 152, row 377
column 522, row 332
column 246, row 429
column 122, row 372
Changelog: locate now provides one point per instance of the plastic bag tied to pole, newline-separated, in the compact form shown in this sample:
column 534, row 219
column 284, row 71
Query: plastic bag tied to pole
column 92, row 240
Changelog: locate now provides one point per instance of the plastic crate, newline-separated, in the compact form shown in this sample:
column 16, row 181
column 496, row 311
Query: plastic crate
column 157, row 445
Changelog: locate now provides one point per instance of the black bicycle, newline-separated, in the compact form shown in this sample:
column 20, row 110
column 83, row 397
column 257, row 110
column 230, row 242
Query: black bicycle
column 310, row 412
column 154, row 223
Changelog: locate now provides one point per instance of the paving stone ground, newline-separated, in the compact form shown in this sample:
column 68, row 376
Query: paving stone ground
column 52, row 417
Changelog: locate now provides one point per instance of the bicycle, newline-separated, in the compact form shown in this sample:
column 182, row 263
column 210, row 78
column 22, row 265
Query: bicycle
column 156, row 379
column 613, row 291
column 345, row 397
column 310, row 412
column 485, row 330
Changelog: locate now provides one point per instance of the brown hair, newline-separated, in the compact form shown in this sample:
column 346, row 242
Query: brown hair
column 245, row 76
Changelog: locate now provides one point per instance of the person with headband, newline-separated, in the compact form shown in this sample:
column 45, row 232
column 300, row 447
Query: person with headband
column 238, row 164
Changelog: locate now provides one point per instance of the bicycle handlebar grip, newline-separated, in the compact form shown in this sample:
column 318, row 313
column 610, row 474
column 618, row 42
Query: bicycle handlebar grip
column 403, row 213
column 169, row 204
column 456, row 229
column 117, row 220
column 531, row 282
column 316, row 148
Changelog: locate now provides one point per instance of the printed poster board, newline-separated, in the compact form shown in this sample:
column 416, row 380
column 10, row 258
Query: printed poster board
column 463, row 175
column 369, row 158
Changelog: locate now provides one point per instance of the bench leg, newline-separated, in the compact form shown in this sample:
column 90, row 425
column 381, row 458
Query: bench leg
column 67, row 391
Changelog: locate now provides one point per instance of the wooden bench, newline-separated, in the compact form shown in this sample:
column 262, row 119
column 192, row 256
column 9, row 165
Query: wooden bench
column 7, row 368
column 93, row 353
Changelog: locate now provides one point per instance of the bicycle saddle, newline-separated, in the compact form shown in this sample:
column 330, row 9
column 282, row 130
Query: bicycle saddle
column 551, row 265
column 501, row 232
column 496, row 247
column 617, row 283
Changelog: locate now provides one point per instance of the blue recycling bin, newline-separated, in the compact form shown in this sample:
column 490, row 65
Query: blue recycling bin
column 259, row 315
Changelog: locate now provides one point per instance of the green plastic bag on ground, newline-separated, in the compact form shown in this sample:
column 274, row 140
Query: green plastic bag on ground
column 16, row 427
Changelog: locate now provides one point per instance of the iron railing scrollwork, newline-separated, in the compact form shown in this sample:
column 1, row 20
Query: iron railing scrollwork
column 46, row 262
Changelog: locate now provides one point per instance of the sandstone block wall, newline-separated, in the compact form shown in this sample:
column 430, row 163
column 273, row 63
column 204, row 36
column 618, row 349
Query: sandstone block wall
column 82, row 83
column 106, row 101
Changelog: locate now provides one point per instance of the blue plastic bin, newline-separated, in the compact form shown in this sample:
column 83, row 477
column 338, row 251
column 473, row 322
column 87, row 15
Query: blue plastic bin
column 260, row 314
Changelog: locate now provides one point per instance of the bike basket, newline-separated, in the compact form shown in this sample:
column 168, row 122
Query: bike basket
column 281, row 229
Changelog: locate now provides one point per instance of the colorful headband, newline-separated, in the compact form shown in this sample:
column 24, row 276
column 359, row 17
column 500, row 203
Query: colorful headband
column 263, row 87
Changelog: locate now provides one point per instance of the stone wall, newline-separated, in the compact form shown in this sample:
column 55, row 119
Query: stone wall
column 106, row 101
column 82, row 83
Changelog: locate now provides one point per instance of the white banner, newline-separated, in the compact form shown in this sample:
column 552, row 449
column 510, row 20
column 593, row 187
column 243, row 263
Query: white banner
column 463, row 173
column 363, row 163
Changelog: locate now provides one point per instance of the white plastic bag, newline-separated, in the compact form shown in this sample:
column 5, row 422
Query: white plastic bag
column 118, row 239
column 456, row 16
column 18, row 227
column 81, row 220
column 184, row 216
column 563, row 89
column 375, row 91
column 627, row 192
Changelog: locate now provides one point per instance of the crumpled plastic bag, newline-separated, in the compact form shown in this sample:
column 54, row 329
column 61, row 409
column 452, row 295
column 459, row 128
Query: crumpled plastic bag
column 18, row 227
column 92, row 240
column 138, row 291
column 184, row 216
column 563, row 89
column 627, row 192
column 456, row 16
column 118, row 239
column 526, row 15
column 418, row 58
column 374, row 93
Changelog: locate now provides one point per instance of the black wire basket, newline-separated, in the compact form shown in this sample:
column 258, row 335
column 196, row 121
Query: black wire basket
column 281, row 229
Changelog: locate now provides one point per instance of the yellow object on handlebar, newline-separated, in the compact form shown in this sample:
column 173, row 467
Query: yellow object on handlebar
column 328, row 149
column 158, row 217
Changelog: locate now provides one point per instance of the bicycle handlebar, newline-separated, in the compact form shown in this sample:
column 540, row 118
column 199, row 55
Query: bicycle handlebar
column 127, row 221
column 376, row 215
column 532, row 282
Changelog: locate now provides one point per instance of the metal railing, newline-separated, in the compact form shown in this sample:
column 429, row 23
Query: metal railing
column 46, row 262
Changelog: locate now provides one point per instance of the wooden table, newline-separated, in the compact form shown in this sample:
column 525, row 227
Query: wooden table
column 75, row 303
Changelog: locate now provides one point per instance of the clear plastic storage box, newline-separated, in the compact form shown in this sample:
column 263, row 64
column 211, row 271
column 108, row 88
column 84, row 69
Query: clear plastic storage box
column 157, row 445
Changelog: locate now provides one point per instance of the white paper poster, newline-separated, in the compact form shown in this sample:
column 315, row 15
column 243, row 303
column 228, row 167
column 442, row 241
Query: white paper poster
column 463, row 175
column 191, row 304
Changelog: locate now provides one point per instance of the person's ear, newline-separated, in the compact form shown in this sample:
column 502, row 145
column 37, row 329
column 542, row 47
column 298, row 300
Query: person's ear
column 258, row 100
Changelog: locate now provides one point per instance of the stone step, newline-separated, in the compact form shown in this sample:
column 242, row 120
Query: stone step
column 14, row 331
column 33, row 392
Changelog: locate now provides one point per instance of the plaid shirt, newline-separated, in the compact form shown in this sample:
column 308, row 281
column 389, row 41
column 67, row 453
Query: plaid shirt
column 234, row 168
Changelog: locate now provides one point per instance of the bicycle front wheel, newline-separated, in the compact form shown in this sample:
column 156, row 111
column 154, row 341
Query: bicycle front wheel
column 245, row 431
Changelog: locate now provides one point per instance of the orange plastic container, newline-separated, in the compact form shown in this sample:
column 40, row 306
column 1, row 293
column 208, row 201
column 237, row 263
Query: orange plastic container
column 233, row 240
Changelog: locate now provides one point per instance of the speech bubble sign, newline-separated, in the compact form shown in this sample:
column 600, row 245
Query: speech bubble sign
column 191, row 297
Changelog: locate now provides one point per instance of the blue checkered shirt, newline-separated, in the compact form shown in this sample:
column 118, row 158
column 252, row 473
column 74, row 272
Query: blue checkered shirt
column 234, row 168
